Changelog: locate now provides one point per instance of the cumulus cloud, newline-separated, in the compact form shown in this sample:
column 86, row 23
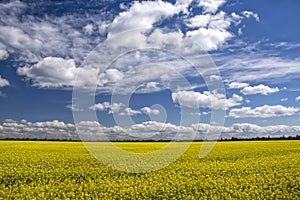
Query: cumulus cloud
column 33, row 36
column 51, row 72
column 246, row 130
column 142, row 15
column 206, row 99
column 237, row 85
column 144, row 72
column 64, row 41
column 209, row 39
column 199, row 21
column 3, row 82
column 16, row 38
column 150, row 111
column 219, row 21
column 249, row 14
column 298, row 98
column 92, row 130
column 259, row 89
column 110, row 76
column 121, row 109
column 146, row 14
column 149, row 13
column 58, row 72
column 212, row 30
column 263, row 111
column 160, row 130
column 150, row 72
column 130, row 112
column 37, row 130
column 211, row 6
column 111, row 107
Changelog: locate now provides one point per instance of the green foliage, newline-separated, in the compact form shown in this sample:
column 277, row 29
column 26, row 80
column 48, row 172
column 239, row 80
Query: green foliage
column 233, row 170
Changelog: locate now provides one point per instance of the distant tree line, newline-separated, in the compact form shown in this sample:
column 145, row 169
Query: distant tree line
column 297, row 137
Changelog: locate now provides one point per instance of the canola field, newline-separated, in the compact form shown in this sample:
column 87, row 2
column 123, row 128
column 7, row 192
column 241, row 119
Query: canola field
column 232, row 170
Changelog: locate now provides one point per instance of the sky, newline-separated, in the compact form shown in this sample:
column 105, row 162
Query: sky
column 184, row 69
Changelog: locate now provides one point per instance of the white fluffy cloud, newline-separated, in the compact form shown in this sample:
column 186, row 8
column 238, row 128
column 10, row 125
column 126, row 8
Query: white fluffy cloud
column 32, row 37
column 206, row 99
column 212, row 30
column 55, row 40
column 150, row 111
column 130, row 112
column 91, row 130
column 111, row 107
column 146, row 14
column 199, row 21
column 209, row 39
column 259, row 89
column 298, row 98
column 211, row 6
column 59, row 72
column 37, row 130
column 3, row 82
column 110, row 76
column 143, row 72
column 160, row 131
column 142, row 15
column 249, row 14
column 18, row 39
column 247, row 89
column 51, row 72
column 219, row 21
column 43, row 41
column 121, row 109
column 247, row 130
column 237, row 85
column 263, row 111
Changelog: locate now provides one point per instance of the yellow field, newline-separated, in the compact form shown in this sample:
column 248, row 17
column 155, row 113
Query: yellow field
column 233, row 170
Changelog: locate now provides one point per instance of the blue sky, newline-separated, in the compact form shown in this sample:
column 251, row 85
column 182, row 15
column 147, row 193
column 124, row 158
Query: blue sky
column 150, row 68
